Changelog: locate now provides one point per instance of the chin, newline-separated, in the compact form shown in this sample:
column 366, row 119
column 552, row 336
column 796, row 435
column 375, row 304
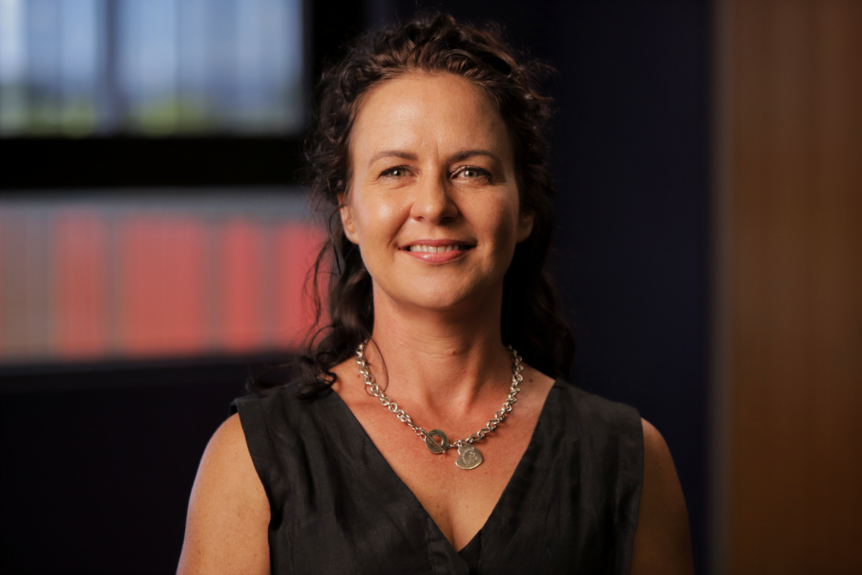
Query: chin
column 435, row 301
column 447, row 297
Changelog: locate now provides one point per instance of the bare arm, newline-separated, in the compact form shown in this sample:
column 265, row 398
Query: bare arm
column 662, row 542
column 228, row 519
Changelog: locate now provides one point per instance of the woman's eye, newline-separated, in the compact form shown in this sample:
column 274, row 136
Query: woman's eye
column 396, row 172
column 473, row 173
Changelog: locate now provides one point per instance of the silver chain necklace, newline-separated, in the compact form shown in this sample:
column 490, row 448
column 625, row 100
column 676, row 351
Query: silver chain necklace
column 468, row 456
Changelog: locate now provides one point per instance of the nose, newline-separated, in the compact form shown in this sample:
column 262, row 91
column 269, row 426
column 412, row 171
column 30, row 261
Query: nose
column 433, row 202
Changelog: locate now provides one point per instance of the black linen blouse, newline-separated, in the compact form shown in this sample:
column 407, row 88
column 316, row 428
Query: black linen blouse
column 337, row 506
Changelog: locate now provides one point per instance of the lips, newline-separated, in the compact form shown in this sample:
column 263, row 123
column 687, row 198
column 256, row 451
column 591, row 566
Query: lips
column 437, row 251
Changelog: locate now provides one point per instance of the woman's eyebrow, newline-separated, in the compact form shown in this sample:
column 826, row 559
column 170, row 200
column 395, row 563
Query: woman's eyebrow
column 472, row 153
column 457, row 157
column 392, row 154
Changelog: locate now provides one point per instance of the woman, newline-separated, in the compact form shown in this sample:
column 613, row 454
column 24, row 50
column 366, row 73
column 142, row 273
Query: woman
column 428, row 146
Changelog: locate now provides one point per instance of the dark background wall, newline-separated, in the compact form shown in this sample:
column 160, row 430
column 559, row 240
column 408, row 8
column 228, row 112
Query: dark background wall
column 98, row 463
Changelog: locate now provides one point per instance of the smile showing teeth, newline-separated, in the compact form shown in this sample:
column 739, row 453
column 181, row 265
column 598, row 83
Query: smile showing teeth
column 435, row 249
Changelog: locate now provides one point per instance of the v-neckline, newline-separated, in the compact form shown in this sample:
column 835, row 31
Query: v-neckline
column 411, row 496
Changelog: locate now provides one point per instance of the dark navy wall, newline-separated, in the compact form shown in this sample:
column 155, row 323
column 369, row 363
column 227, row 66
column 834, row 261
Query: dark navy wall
column 631, row 160
column 98, row 462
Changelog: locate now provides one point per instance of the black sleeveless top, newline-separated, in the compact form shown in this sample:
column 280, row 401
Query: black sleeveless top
column 338, row 507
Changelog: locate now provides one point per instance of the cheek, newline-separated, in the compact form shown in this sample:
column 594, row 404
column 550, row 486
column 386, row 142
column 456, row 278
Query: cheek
column 375, row 219
column 385, row 213
column 503, row 218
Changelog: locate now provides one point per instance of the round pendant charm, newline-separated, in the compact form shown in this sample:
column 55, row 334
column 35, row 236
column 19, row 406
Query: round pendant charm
column 468, row 457
column 439, row 445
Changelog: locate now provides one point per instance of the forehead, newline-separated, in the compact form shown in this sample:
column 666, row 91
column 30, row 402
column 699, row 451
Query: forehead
column 422, row 109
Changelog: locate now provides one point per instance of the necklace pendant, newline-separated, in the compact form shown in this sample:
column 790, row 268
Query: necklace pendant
column 469, row 457
column 436, row 446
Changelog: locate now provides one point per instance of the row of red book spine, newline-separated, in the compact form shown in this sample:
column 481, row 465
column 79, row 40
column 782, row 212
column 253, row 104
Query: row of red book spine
column 146, row 285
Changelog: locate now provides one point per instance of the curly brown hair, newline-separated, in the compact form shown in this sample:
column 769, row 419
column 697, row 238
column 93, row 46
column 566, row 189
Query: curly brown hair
column 435, row 43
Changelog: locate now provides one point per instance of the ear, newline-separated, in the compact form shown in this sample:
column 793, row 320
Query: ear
column 525, row 226
column 347, row 219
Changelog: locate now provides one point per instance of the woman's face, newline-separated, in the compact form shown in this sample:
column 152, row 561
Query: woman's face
column 433, row 199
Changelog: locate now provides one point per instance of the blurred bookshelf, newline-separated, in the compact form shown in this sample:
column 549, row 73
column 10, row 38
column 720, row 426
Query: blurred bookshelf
column 150, row 217
column 153, row 274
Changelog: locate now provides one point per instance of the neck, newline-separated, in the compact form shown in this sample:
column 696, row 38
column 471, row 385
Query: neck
column 446, row 361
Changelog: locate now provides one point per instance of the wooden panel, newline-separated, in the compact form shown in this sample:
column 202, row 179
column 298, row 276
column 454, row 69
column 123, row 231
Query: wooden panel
column 796, row 285
column 837, row 297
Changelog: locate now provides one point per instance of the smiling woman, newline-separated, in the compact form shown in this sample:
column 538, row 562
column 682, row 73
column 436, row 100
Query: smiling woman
column 428, row 151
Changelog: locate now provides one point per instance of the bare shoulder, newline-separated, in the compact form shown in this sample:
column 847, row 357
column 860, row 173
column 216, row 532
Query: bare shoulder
column 228, row 518
column 662, row 542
